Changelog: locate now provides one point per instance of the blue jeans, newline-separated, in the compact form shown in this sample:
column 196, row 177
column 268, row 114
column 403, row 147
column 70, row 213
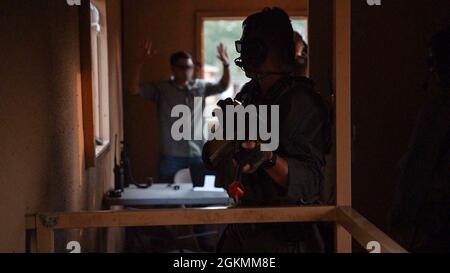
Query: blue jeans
column 170, row 165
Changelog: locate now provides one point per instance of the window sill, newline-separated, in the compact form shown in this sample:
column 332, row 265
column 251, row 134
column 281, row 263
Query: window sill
column 101, row 149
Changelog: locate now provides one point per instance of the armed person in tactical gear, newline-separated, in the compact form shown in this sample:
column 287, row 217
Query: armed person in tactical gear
column 292, row 175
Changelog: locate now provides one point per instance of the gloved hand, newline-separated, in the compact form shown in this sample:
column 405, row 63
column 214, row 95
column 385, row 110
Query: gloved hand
column 250, row 157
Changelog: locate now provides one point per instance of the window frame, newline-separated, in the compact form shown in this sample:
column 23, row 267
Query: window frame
column 203, row 16
column 87, row 78
column 99, row 49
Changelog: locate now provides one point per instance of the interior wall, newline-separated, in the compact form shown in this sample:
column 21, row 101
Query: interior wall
column 320, row 51
column 42, row 159
column 320, row 23
column 171, row 27
column 389, row 50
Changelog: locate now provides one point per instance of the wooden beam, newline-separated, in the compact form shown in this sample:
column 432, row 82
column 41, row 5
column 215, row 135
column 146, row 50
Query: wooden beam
column 360, row 228
column 30, row 222
column 86, row 82
column 364, row 231
column 45, row 240
column 342, row 72
column 163, row 217
column 200, row 47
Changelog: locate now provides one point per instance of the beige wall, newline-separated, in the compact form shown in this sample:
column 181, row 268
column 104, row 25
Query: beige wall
column 42, row 163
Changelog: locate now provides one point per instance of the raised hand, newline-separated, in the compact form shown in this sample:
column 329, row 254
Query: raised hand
column 146, row 51
column 222, row 54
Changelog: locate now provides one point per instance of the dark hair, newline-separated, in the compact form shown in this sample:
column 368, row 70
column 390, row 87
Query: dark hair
column 274, row 27
column 179, row 55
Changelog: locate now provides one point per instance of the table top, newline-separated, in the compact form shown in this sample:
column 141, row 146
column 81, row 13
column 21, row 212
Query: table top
column 165, row 194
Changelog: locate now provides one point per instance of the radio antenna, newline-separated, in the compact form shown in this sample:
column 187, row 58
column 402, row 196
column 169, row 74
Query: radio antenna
column 115, row 151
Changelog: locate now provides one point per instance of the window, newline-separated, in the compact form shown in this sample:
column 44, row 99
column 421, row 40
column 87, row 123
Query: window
column 100, row 90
